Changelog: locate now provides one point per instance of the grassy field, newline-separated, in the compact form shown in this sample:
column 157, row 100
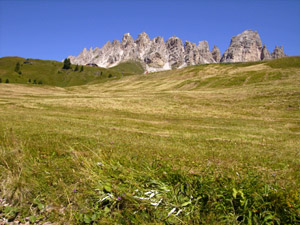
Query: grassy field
column 207, row 144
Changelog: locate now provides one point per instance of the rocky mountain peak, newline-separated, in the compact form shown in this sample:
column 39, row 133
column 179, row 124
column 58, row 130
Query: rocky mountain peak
column 116, row 43
column 157, row 55
column 127, row 40
column 203, row 46
column 176, row 51
column 244, row 47
column 265, row 54
column 192, row 54
column 278, row 52
column 143, row 40
column 107, row 45
column 216, row 54
column 158, row 40
column 143, row 36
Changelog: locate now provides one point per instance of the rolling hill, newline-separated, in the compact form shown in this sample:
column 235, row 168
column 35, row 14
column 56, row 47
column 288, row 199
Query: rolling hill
column 51, row 73
column 205, row 144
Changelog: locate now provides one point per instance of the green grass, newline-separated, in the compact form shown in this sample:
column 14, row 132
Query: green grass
column 218, row 144
column 129, row 68
column 51, row 72
column 286, row 62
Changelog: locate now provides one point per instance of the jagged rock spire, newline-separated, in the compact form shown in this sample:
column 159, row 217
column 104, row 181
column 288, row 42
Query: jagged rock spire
column 216, row 54
column 265, row 54
column 278, row 52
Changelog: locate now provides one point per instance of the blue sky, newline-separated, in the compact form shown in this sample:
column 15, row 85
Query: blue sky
column 55, row 29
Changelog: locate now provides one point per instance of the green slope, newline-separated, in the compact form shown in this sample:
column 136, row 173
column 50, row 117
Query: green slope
column 51, row 72
column 129, row 67
column 214, row 144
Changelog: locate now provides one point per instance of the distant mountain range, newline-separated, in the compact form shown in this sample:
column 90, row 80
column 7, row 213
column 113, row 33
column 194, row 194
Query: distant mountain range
column 158, row 55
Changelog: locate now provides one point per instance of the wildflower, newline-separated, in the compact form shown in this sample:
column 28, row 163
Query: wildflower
column 74, row 190
column 111, row 143
column 119, row 197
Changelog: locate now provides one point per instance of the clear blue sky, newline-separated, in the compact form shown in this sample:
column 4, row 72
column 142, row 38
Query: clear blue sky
column 55, row 29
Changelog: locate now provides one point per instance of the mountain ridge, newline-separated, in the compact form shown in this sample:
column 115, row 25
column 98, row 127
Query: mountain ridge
column 158, row 55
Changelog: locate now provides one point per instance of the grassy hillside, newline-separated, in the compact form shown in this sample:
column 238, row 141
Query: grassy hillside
column 51, row 72
column 207, row 144
column 129, row 68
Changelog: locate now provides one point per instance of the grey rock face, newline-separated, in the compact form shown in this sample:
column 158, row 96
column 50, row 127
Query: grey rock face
column 205, row 54
column 156, row 58
column 176, row 51
column 278, row 53
column 154, row 54
column 191, row 52
column 265, row 54
column 244, row 47
column 216, row 54
column 157, row 55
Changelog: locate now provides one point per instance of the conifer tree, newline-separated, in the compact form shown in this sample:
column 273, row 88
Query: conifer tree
column 7, row 81
column 17, row 68
column 67, row 64
column 81, row 68
column 76, row 68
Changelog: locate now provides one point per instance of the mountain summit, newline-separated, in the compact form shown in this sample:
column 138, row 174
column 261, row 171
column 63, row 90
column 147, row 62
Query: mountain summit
column 158, row 55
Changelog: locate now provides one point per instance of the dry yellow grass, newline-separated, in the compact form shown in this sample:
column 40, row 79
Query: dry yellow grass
column 236, row 119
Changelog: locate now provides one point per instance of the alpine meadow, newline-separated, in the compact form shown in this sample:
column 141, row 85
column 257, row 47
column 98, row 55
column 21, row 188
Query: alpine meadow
column 204, row 144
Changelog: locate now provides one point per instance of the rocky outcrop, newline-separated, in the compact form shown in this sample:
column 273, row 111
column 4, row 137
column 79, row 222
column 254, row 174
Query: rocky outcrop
column 244, row 47
column 247, row 47
column 157, row 55
column 191, row 52
column 278, row 53
column 265, row 54
column 205, row 54
column 175, row 51
column 216, row 54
